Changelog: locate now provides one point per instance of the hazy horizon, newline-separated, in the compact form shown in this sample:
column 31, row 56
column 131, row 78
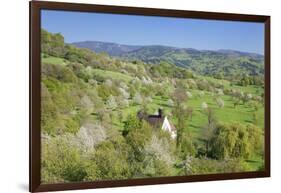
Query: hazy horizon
column 221, row 49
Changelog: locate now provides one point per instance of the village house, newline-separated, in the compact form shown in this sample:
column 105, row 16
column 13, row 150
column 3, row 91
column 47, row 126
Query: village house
column 159, row 121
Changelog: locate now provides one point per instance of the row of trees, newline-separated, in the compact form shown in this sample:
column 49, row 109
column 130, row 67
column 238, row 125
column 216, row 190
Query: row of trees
column 251, row 80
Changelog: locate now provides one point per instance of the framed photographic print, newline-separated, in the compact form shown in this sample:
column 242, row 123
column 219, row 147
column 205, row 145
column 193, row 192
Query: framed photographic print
column 123, row 96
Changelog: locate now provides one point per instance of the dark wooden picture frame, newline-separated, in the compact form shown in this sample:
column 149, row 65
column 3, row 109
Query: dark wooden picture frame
column 35, row 100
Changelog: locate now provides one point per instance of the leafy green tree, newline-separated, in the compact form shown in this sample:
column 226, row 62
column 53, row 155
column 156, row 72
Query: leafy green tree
column 110, row 164
column 52, row 44
column 255, row 138
column 131, row 124
column 230, row 141
column 179, row 96
column 140, row 133
column 187, row 147
column 59, row 72
column 181, row 116
column 158, row 159
column 210, row 166
column 62, row 162
column 103, row 116
column 49, row 111
column 219, row 75
column 209, row 129
column 104, row 91
column 153, row 167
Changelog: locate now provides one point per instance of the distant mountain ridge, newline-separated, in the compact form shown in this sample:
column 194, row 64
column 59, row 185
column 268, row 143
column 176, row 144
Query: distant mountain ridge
column 201, row 61
column 116, row 49
column 112, row 49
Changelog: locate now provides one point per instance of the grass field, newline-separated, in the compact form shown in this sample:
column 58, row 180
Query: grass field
column 54, row 60
column 111, row 75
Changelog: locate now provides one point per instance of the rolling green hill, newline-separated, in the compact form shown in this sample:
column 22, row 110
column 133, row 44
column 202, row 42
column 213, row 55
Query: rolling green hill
column 202, row 62
column 205, row 62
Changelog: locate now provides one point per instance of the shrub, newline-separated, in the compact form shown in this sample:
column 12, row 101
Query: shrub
column 138, row 99
column 220, row 102
column 201, row 94
column 170, row 102
column 61, row 161
column 209, row 166
column 110, row 164
column 111, row 103
column 104, row 91
column 49, row 111
column 204, row 105
column 189, row 95
column 234, row 141
column 137, row 137
column 131, row 124
column 89, row 135
column 159, row 148
column 59, row 72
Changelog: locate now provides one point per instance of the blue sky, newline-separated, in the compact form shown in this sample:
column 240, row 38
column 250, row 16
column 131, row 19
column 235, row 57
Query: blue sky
column 147, row 30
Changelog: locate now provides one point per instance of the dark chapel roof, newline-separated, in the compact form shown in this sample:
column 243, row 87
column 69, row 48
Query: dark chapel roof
column 154, row 120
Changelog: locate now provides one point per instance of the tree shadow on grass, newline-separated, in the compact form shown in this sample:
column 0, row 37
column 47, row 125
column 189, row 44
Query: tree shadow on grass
column 251, row 161
column 193, row 126
column 163, row 105
column 248, row 121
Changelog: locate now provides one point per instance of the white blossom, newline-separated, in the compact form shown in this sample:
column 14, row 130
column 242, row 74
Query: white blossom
column 204, row 105
column 147, row 100
column 138, row 98
column 189, row 95
column 108, row 82
column 201, row 94
column 111, row 102
column 220, row 92
column 124, row 85
column 90, row 135
column 86, row 102
column 220, row 102
column 124, row 93
column 249, row 96
column 146, row 80
column 160, row 149
column 170, row 102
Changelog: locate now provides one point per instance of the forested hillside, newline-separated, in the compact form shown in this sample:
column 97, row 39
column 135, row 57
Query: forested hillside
column 229, row 63
column 112, row 49
column 90, row 101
